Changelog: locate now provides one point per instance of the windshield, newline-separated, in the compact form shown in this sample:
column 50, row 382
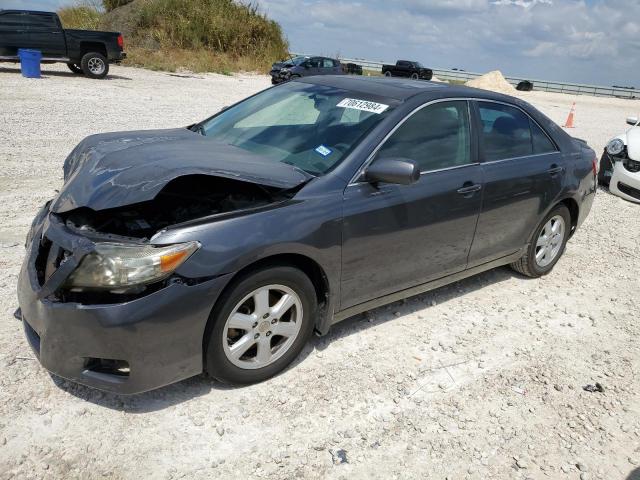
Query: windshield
column 297, row 60
column 309, row 126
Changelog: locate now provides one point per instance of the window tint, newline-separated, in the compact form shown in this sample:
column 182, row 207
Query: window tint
column 505, row 132
column 9, row 20
column 37, row 21
column 315, row 62
column 327, row 63
column 541, row 142
column 434, row 137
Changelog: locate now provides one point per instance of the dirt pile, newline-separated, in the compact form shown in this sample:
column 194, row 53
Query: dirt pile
column 493, row 81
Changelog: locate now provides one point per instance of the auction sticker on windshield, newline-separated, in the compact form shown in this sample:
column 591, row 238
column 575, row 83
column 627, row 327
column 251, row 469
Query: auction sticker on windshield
column 363, row 105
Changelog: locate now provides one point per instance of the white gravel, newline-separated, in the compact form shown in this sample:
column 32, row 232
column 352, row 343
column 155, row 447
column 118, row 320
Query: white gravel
column 480, row 379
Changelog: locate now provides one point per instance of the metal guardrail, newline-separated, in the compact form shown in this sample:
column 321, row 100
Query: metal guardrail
column 544, row 85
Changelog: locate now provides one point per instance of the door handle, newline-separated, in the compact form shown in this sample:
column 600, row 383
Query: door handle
column 555, row 169
column 468, row 189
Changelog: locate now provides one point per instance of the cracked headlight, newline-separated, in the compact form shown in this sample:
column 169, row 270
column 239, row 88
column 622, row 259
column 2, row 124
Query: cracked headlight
column 113, row 265
column 615, row 147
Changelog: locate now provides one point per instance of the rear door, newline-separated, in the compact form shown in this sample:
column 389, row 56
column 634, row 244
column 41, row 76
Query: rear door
column 13, row 33
column 523, row 171
column 46, row 35
column 399, row 236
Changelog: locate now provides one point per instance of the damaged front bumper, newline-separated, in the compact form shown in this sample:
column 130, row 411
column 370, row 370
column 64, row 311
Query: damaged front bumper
column 625, row 181
column 124, row 347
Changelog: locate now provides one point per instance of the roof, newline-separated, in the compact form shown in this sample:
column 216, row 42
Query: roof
column 401, row 89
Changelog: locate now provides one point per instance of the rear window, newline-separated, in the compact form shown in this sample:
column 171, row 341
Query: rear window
column 36, row 21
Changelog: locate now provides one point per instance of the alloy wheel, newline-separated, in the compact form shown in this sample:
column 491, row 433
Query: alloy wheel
column 550, row 241
column 262, row 327
column 96, row 66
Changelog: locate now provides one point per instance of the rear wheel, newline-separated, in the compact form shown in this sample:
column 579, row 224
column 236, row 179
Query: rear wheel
column 547, row 244
column 95, row 65
column 75, row 68
column 260, row 325
column 387, row 73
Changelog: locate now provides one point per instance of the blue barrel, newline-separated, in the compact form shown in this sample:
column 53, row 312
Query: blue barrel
column 30, row 62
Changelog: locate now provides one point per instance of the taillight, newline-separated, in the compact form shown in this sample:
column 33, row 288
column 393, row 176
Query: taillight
column 120, row 41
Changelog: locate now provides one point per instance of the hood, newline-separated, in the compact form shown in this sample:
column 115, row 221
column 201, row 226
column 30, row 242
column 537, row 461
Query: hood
column 116, row 169
column 632, row 141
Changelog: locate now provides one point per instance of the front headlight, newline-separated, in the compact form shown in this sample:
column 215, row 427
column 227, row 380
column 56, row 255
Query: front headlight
column 615, row 147
column 114, row 266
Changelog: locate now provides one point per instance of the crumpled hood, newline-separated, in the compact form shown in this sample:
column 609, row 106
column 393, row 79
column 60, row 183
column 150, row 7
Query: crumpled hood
column 115, row 169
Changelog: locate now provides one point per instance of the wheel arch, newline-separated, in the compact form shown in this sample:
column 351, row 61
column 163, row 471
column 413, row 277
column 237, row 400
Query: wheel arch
column 304, row 263
column 574, row 211
column 88, row 47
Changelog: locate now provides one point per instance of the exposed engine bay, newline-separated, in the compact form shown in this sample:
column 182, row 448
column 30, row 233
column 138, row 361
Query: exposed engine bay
column 182, row 200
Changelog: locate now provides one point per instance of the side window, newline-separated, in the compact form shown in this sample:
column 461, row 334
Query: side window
column 541, row 142
column 10, row 21
column 435, row 137
column 505, row 131
column 315, row 62
column 41, row 21
column 327, row 63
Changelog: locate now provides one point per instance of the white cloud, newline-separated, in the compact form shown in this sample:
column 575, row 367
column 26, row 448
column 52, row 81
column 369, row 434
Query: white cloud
column 588, row 41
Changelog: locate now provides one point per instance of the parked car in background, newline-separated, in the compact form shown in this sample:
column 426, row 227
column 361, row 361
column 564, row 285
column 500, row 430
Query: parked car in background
column 352, row 68
column 222, row 246
column 304, row 66
column 407, row 68
column 620, row 163
column 84, row 51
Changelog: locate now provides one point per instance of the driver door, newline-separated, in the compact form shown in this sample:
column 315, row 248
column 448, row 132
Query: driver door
column 399, row 236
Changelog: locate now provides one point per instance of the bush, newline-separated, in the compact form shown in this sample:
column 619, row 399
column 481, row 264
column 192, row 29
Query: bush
column 222, row 26
column 113, row 4
column 200, row 35
column 81, row 17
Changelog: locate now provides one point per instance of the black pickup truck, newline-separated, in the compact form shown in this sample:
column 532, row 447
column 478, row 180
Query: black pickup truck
column 84, row 51
column 407, row 68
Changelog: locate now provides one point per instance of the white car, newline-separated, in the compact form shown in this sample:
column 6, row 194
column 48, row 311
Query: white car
column 620, row 163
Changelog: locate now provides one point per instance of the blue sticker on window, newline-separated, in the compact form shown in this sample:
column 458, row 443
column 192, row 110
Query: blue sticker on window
column 323, row 150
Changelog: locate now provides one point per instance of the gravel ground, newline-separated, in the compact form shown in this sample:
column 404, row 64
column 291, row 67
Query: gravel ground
column 480, row 379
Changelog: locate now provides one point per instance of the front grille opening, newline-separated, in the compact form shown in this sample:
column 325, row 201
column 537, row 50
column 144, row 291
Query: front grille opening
column 108, row 366
column 41, row 260
column 631, row 165
column 632, row 192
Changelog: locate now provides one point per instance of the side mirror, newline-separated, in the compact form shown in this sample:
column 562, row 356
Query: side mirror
column 393, row 170
column 632, row 121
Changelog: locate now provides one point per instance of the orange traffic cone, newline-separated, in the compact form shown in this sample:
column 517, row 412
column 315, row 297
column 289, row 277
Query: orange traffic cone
column 569, row 122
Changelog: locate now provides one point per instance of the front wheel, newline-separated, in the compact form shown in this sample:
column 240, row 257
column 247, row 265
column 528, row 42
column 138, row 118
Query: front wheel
column 414, row 76
column 95, row 65
column 75, row 68
column 260, row 325
column 547, row 244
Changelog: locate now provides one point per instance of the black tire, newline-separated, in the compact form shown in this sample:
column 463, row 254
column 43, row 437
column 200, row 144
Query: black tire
column 605, row 166
column 387, row 74
column 415, row 76
column 90, row 63
column 217, row 365
column 528, row 265
column 75, row 68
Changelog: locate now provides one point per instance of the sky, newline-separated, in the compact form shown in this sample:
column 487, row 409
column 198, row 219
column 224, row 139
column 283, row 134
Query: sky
column 583, row 41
